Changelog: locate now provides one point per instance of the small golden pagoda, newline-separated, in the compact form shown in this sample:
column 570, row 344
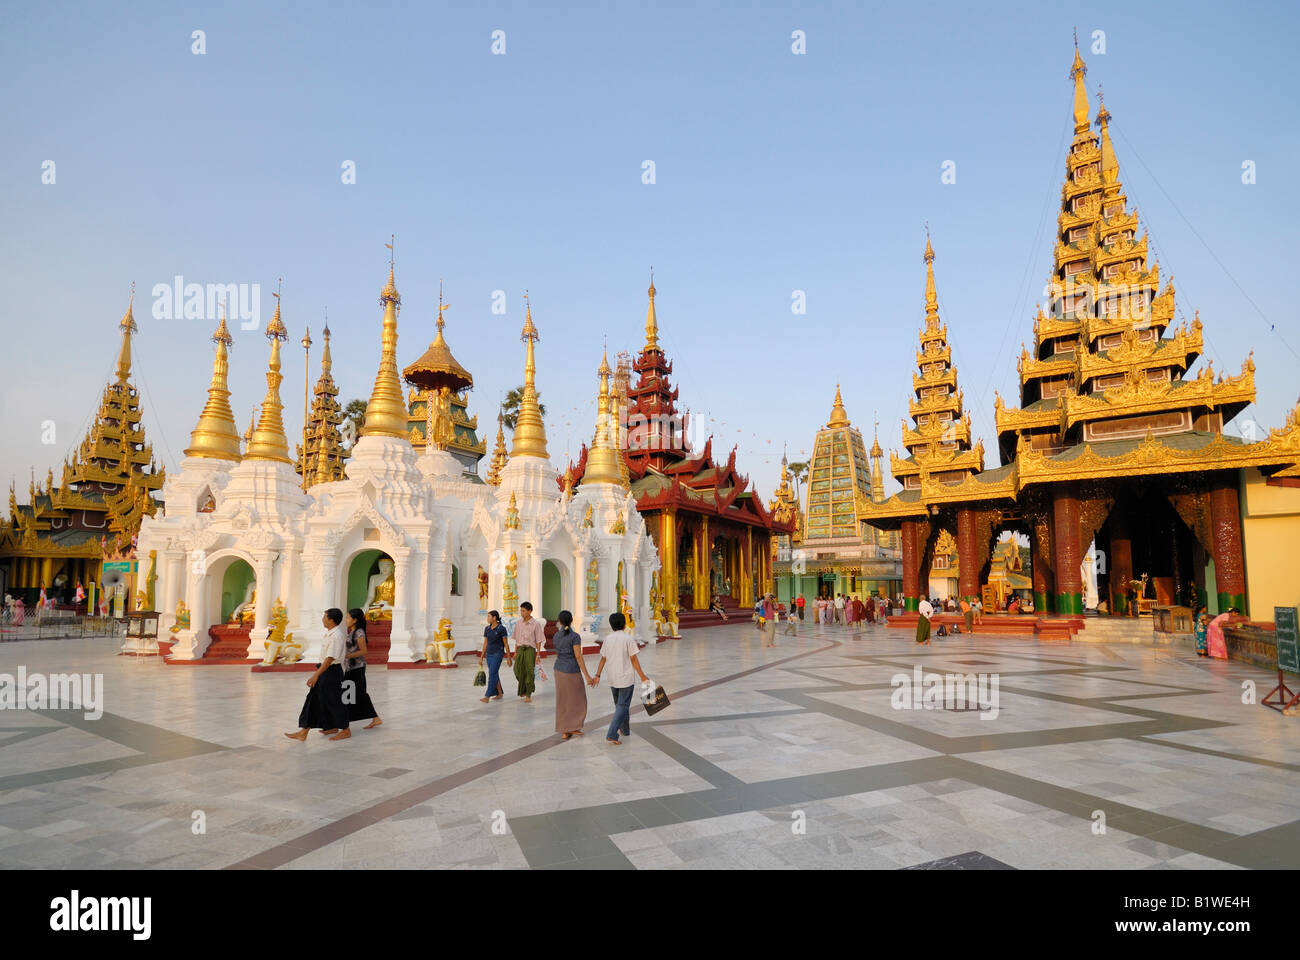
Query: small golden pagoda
column 437, row 373
column 499, row 456
column 62, row 533
column 321, row 455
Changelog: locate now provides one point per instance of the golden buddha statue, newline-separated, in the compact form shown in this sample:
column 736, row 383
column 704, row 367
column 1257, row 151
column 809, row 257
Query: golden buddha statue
column 182, row 617
column 382, row 591
column 586, row 519
column 246, row 609
column 618, row 528
column 512, row 515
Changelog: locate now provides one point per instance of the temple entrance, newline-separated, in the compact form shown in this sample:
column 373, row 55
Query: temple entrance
column 371, row 584
column 552, row 589
column 1147, row 556
column 238, row 591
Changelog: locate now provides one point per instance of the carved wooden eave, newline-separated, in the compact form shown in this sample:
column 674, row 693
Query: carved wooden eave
column 1140, row 395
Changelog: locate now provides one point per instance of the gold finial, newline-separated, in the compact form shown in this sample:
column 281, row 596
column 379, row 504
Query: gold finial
column 389, row 293
column 651, row 321
column 268, row 441
column 128, row 327
column 1109, row 165
column 530, row 431
column 931, row 295
column 215, row 436
column 386, row 412
column 1078, row 70
column 276, row 330
column 441, row 307
column 839, row 418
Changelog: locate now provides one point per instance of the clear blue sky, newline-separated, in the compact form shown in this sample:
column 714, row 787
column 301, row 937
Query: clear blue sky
column 775, row 173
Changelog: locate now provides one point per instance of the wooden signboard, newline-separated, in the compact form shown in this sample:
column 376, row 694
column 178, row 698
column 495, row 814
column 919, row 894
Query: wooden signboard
column 1280, row 698
column 1288, row 643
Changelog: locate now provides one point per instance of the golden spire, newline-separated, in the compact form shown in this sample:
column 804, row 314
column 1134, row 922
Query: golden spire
column 128, row 327
column 386, row 412
column 530, row 432
column 216, row 437
column 931, row 295
column 877, row 474
column 268, row 441
column 602, row 458
column 499, row 456
column 838, row 416
column 1078, row 70
column 1109, row 165
column 651, row 321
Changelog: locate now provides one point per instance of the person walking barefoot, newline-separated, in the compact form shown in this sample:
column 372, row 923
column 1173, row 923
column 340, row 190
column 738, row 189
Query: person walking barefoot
column 361, row 707
column 530, row 635
column 570, row 694
column 324, row 708
column 494, row 651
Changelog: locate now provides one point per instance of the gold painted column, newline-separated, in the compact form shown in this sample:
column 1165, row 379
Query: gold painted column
column 747, row 567
column 668, row 556
column 704, row 595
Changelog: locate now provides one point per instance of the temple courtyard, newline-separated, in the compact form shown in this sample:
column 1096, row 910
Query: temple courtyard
column 1093, row 755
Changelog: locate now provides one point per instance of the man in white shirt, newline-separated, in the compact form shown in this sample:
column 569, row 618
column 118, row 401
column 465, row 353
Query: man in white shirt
column 619, row 654
column 839, row 608
column 925, row 611
column 324, row 707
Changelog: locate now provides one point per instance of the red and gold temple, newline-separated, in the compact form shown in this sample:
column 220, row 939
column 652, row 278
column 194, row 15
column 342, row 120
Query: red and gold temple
column 711, row 529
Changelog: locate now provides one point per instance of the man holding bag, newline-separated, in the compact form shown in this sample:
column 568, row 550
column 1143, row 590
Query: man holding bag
column 619, row 654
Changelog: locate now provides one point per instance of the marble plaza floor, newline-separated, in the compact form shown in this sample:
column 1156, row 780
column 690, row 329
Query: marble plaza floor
column 785, row 758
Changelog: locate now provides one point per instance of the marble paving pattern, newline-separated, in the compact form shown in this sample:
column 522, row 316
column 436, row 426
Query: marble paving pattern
column 767, row 759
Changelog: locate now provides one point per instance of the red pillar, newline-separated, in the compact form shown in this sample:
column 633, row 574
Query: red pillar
column 1065, row 537
column 1225, row 535
column 968, row 580
column 1119, row 566
column 911, row 582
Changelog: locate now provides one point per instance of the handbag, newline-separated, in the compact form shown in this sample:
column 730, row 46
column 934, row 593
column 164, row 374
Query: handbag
column 653, row 697
column 480, row 678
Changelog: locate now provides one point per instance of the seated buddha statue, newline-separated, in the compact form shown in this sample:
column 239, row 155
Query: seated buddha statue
column 246, row 610
column 381, row 591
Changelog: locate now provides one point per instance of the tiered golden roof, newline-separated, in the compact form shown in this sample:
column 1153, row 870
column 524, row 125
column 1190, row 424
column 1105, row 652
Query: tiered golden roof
column 783, row 506
column 437, row 369
column 321, row 455
column 106, row 487
column 1100, row 361
column 939, row 440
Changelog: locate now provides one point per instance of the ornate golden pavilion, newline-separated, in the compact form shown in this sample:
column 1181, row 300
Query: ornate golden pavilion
column 437, row 380
column 63, row 532
column 1111, row 440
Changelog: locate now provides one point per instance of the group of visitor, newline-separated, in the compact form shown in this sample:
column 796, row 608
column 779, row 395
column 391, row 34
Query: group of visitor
column 336, row 690
column 618, row 655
